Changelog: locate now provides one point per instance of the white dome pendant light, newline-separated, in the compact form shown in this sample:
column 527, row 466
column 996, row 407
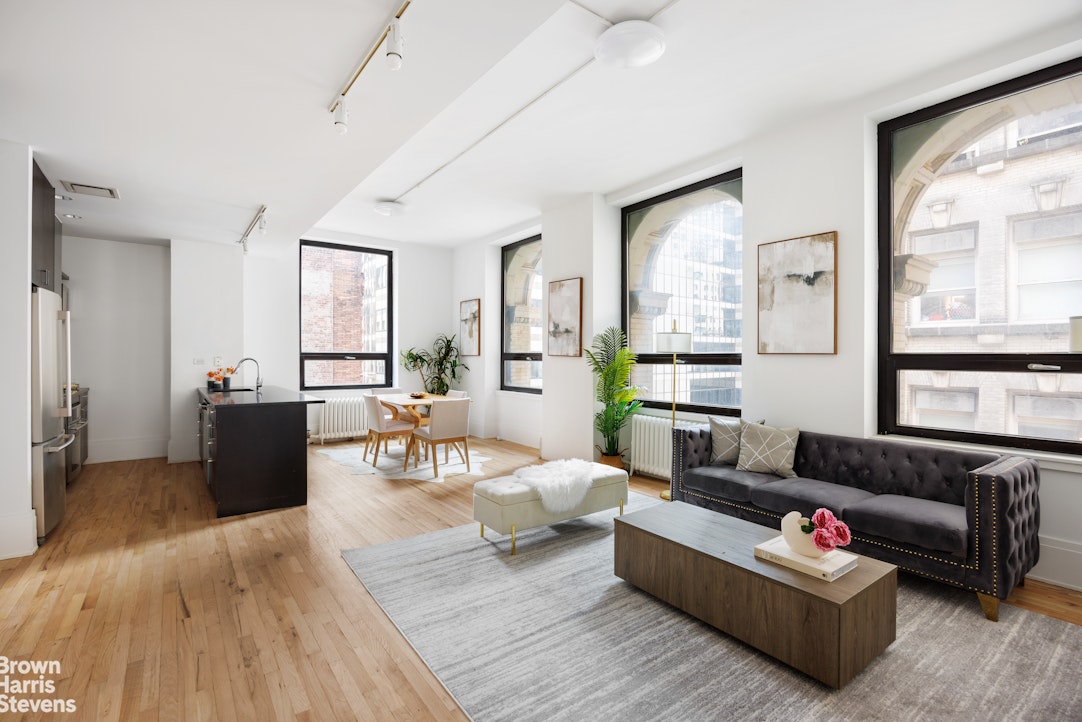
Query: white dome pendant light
column 630, row 44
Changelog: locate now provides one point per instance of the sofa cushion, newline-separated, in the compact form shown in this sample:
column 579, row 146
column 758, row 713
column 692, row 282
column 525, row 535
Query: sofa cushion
column 767, row 450
column 888, row 467
column 807, row 495
column 724, row 481
column 725, row 438
column 920, row 522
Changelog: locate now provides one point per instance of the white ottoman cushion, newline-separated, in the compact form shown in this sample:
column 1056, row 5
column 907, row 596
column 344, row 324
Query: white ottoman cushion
column 504, row 501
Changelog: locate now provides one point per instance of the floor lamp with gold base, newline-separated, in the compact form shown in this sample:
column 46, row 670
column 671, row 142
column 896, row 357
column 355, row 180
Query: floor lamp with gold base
column 674, row 342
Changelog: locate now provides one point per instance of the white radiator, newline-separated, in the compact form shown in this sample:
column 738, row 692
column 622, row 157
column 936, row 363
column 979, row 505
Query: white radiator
column 651, row 444
column 342, row 418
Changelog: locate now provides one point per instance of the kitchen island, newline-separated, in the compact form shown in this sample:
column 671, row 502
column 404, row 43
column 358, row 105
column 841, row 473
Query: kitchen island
column 253, row 446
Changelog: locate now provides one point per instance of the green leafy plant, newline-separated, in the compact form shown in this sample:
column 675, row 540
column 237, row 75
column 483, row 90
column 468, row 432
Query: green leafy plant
column 611, row 362
column 438, row 367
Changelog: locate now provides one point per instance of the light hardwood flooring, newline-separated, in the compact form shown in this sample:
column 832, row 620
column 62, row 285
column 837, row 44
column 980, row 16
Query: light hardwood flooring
column 156, row 610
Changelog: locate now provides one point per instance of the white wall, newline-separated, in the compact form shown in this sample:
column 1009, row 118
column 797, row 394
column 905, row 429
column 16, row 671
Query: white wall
column 119, row 299
column 18, row 524
column 206, row 320
column 567, row 402
column 475, row 270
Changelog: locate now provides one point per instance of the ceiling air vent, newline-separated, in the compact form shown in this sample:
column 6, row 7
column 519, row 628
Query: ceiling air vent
column 89, row 190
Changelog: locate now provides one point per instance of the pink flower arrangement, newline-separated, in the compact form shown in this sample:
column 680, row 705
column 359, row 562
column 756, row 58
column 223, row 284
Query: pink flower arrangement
column 827, row 531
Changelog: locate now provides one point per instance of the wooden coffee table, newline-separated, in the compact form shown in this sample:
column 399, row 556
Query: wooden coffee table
column 703, row 562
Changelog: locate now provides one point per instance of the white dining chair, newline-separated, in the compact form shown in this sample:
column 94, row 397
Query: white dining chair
column 450, row 424
column 381, row 428
column 457, row 394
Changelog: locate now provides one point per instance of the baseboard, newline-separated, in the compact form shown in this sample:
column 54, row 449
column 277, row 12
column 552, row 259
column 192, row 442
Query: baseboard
column 18, row 534
column 1061, row 563
column 150, row 447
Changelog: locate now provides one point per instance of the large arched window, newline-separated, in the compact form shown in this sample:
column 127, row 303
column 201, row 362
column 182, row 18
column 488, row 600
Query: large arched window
column 981, row 265
column 683, row 261
column 522, row 327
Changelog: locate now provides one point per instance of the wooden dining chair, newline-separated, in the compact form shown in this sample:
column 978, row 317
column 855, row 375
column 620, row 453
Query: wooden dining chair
column 450, row 424
column 381, row 428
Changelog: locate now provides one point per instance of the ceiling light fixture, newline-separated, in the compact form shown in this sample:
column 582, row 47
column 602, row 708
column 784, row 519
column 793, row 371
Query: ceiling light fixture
column 394, row 45
column 341, row 116
column 263, row 223
column 61, row 197
column 630, row 44
column 73, row 217
column 388, row 208
column 257, row 219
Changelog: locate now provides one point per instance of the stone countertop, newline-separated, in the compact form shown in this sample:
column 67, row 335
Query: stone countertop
column 267, row 396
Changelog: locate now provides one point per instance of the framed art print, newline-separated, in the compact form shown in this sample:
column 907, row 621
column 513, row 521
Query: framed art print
column 469, row 327
column 565, row 317
column 798, row 295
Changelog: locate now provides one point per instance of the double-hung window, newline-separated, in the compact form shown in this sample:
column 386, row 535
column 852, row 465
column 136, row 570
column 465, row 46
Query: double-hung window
column 345, row 316
column 980, row 243
column 683, row 265
column 522, row 329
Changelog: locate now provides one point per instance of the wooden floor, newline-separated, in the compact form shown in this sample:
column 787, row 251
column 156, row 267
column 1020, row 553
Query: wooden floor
column 156, row 610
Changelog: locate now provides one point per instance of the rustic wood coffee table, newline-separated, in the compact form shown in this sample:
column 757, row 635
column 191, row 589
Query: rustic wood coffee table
column 703, row 562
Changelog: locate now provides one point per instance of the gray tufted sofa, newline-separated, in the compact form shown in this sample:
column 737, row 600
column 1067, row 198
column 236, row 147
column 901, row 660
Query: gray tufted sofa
column 966, row 518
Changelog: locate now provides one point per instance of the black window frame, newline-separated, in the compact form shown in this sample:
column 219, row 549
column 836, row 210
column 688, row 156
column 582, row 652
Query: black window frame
column 505, row 355
column 890, row 364
column 666, row 359
column 387, row 357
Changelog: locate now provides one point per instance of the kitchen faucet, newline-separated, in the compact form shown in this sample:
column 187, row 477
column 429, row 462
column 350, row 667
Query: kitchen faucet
column 258, row 378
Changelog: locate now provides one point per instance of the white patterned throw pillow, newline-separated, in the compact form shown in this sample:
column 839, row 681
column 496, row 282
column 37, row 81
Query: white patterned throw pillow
column 768, row 450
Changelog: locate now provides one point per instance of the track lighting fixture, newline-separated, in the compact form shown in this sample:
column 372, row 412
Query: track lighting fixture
column 258, row 219
column 341, row 116
column 394, row 45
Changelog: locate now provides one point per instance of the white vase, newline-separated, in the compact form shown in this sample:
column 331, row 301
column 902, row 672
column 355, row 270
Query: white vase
column 795, row 537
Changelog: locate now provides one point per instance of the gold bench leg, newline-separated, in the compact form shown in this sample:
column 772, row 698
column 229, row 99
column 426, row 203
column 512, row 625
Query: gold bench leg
column 512, row 540
column 482, row 531
column 990, row 605
column 621, row 507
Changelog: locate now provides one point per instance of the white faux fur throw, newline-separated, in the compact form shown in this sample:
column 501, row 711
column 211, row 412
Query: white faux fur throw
column 562, row 483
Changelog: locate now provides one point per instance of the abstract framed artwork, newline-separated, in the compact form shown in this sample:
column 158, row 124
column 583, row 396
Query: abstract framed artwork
column 469, row 327
column 565, row 317
column 798, row 295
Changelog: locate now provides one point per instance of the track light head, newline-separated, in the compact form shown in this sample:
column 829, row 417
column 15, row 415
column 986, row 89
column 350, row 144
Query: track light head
column 263, row 223
column 341, row 116
column 394, row 45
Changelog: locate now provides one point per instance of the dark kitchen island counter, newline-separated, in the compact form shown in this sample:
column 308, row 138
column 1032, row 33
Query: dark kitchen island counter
column 254, row 448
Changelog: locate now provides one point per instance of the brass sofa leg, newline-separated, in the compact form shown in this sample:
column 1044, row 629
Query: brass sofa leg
column 990, row 605
column 512, row 540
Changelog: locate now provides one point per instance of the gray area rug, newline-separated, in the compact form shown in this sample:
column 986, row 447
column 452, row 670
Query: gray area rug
column 552, row 634
column 390, row 462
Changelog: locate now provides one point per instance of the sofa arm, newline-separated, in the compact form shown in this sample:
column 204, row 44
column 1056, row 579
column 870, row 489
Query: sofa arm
column 691, row 446
column 1003, row 511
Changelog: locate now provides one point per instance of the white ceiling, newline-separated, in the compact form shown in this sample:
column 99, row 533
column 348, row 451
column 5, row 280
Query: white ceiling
column 199, row 112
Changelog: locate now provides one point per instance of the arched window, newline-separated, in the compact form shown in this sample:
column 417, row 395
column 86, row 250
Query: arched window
column 981, row 265
column 522, row 326
column 683, row 264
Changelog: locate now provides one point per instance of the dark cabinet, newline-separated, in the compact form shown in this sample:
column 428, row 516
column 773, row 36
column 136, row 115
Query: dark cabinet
column 255, row 455
column 45, row 246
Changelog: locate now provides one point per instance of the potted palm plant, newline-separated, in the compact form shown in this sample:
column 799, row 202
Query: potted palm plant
column 611, row 362
column 438, row 367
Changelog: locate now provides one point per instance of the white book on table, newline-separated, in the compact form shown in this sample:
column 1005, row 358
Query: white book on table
column 830, row 566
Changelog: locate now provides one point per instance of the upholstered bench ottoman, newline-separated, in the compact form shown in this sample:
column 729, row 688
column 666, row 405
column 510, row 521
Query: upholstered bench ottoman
column 508, row 505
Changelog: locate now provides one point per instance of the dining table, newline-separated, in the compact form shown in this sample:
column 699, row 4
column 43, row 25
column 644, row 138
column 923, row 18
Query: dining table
column 411, row 403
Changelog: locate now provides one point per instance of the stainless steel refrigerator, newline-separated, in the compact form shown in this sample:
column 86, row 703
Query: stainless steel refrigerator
column 50, row 405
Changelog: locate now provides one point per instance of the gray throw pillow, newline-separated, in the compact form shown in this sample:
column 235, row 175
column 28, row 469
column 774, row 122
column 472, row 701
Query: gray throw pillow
column 725, row 438
column 768, row 450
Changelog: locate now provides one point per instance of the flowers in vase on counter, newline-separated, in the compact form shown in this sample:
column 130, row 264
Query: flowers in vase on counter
column 219, row 373
column 827, row 531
